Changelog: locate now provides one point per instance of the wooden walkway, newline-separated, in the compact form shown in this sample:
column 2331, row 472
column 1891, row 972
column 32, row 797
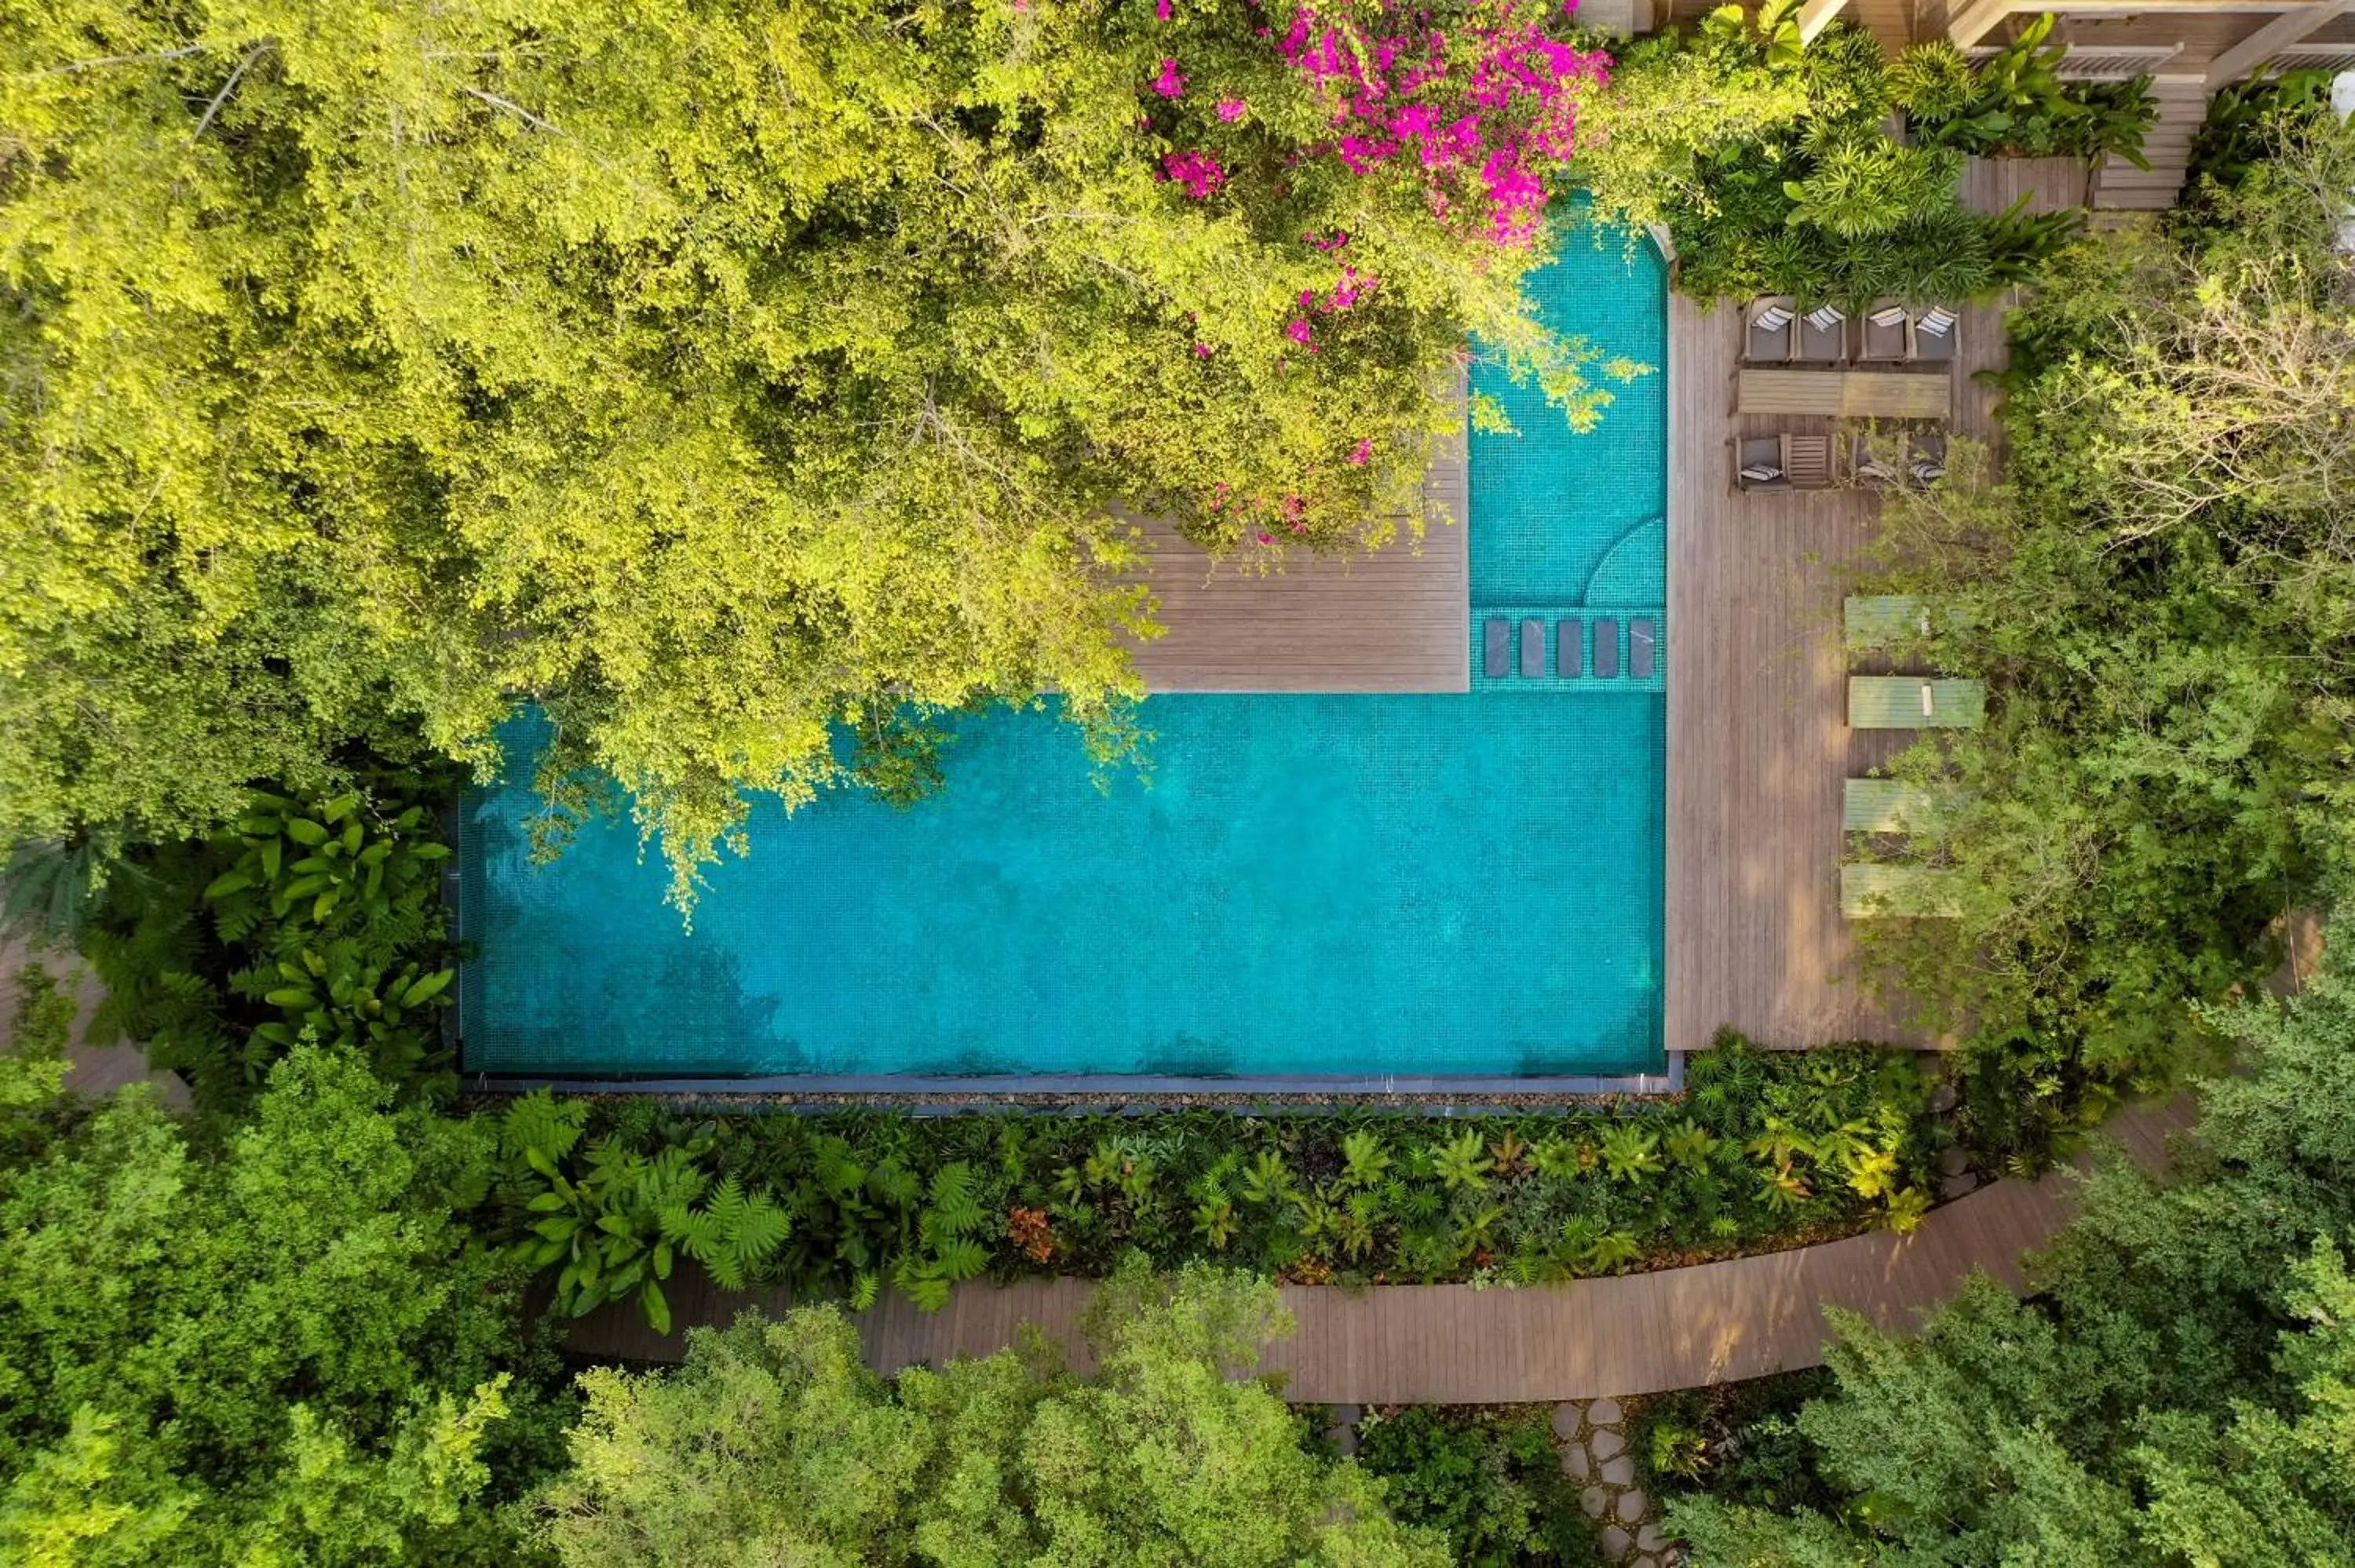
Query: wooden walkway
column 1450, row 1344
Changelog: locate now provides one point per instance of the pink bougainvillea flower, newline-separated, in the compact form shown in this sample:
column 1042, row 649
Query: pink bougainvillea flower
column 1169, row 84
column 1232, row 109
column 1299, row 331
column 1363, row 452
column 1199, row 173
column 1204, row 351
column 1161, row 9
column 1265, row 537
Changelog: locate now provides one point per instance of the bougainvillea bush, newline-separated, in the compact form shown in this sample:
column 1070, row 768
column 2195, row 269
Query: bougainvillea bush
column 715, row 375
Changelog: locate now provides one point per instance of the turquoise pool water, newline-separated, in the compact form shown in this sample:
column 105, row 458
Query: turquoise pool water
column 1425, row 887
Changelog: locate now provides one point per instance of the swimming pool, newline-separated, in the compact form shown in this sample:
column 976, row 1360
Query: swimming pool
column 1419, row 887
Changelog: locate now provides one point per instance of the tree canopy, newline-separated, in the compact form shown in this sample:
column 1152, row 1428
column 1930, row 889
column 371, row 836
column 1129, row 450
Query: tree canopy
column 724, row 378
column 276, row 1345
column 2159, row 589
column 774, row 1444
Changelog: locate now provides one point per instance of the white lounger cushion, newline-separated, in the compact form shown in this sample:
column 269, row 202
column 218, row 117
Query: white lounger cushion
column 1937, row 322
column 1826, row 319
column 1771, row 317
column 1762, row 474
column 1893, row 316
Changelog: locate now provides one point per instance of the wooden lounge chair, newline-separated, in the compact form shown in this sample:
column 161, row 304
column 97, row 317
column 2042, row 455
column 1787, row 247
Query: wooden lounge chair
column 1783, row 462
column 1532, row 648
column 1914, row 702
column 1569, row 646
column 1758, row 463
column 1823, row 336
column 1495, row 643
column 1869, row 465
column 1643, row 634
column 1926, row 461
column 1869, row 890
column 1884, row 334
column 1844, row 394
column 1937, row 335
column 1606, row 649
column 1777, row 339
column 1889, row 806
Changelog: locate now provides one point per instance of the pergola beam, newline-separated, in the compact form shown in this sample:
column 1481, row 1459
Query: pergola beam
column 2289, row 28
column 1976, row 21
column 1816, row 15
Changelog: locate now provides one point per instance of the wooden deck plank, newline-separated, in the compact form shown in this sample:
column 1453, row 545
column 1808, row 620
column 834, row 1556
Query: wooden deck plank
column 1396, row 619
column 1758, row 744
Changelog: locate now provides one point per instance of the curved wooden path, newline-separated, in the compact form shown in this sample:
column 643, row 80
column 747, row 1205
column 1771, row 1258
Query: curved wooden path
column 1453, row 1344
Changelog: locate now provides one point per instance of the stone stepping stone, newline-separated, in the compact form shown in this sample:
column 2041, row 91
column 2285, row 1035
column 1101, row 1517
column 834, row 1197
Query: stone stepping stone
column 1651, row 1538
column 1615, row 1542
column 1632, row 1506
column 1619, row 1472
column 1568, row 1417
column 1575, row 1464
column 1604, row 1412
column 1593, row 1500
column 1604, row 1444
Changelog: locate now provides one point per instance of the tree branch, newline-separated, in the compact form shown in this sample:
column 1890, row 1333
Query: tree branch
column 228, row 87
column 517, row 109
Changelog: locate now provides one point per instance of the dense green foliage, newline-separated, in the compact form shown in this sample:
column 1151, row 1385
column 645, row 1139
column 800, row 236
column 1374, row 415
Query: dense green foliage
column 1491, row 1482
column 773, row 1444
column 717, row 375
column 282, row 1346
column 312, row 919
column 606, row 1196
column 1811, row 198
column 2162, row 597
column 1738, row 1442
column 2182, row 1390
column 2014, row 101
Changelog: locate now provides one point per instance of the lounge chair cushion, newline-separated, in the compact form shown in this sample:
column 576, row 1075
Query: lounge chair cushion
column 1762, row 475
column 1936, row 321
column 1894, row 316
column 1771, row 317
column 1826, row 319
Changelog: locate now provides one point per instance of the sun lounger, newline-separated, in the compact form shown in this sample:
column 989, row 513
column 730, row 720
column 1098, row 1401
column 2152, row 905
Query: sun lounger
column 1845, row 394
column 1926, row 459
column 1570, row 648
column 1532, row 648
column 1770, row 330
column 1937, row 335
column 1904, row 892
column 1823, row 336
column 1606, row 649
column 1869, row 466
column 1496, row 647
column 1758, row 463
column 1641, row 634
column 1914, row 702
column 1884, row 334
column 1889, row 806
column 1807, row 462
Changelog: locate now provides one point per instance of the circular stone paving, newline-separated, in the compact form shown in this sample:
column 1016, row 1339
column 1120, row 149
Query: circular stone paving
column 1595, row 1453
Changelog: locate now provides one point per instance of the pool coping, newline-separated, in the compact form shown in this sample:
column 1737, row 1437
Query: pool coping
column 1097, row 1085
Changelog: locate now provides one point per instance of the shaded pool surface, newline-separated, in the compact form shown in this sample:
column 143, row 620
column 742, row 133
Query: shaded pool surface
column 1291, row 886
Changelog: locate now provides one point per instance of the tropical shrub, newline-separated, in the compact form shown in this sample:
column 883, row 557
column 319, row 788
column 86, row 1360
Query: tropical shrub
column 720, row 376
column 282, row 1344
column 2176, row 1390
column 317, row 919
column 1490, row 1481
column 1814, row 201
column 2014, row 101
column 2247, row 122
column 1737, row 1442
column 606, row 1197
column 2158, row 593
column 773, row 1444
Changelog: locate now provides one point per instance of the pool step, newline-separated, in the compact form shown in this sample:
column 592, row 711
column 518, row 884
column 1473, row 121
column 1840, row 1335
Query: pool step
column 1593, row 648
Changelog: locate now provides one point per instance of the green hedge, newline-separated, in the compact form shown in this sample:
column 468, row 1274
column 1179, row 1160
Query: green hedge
column 1764, row 1149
